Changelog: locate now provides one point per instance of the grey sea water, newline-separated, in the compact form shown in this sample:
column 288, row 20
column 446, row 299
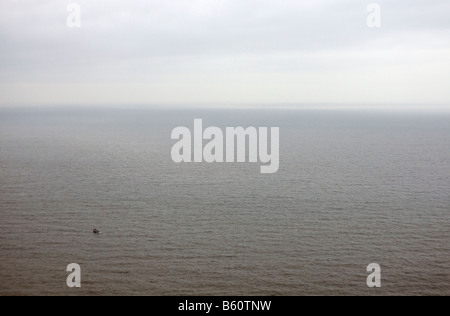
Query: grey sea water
column 354, row 188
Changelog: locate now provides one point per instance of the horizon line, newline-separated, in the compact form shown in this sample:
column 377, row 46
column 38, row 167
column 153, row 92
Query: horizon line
column 342, row 106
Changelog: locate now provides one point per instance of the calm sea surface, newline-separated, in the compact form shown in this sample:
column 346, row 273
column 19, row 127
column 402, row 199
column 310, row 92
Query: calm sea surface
column 353, row 188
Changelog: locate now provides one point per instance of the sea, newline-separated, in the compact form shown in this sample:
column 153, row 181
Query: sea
column 354, row 187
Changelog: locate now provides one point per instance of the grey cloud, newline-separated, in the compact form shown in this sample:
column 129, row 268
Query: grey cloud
column 134, row 39
column 35, row 32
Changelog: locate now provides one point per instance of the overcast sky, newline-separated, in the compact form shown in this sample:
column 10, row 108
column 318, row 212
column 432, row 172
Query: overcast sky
column 224, row 52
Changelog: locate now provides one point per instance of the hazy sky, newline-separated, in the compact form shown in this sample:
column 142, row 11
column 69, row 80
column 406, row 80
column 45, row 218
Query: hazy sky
column 224, row 51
